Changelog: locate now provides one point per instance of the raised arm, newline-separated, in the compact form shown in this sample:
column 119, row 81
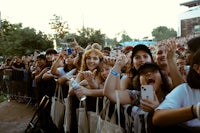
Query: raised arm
column 173, row 69
column 112, row 80
column 58, row 61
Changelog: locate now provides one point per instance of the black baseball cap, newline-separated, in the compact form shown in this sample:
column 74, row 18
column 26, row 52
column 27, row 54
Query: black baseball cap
column 148, row 66
column 143, row 48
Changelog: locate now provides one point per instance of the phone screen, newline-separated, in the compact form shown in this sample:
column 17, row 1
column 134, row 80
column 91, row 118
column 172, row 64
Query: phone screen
column 69, row 50
column 147, row 92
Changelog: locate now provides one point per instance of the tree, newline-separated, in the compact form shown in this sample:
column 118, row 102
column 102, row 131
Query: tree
column 21, row 41
column 111, row 42
column 162, row 32
column 125, row 37
column 88, row 36
column 61, row 27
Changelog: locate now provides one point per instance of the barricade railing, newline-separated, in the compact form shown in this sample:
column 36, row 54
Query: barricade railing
column 14, row 84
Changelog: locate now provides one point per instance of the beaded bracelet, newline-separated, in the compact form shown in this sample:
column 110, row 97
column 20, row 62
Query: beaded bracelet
column 198, row 109
column 114, row 72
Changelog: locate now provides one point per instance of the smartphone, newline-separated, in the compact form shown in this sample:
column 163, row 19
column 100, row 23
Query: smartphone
column 187, row 68
column 69, row 51
column 147, row 92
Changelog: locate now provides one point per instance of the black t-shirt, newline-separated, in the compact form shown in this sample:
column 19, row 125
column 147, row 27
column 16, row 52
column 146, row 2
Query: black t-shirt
column 19, row 65
column 18, row 75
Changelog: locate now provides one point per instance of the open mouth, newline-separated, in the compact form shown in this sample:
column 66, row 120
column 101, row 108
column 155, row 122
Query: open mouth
column 150, row 81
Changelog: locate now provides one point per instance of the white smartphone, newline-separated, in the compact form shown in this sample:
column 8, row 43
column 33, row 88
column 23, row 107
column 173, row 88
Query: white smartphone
column 147, row 92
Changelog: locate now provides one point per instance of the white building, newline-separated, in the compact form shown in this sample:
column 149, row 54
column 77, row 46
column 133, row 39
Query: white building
column 189, row 21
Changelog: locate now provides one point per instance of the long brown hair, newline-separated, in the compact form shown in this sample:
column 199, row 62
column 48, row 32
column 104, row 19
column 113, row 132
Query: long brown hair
column 85, row 56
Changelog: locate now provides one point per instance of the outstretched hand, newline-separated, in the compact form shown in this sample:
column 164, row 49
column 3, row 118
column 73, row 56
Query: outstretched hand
column 88, row 75
column 109, row 60
column 121, row 60
column 171, row 49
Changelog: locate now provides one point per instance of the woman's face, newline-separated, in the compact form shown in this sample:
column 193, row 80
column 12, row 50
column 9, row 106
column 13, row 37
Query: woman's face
column 49, row 57
column 161, row 56
column 105, row 70
column 40, row 62
column 180, row 64
column 92, row 61
column 152, row 77
column 69, row 59
column 140, row 58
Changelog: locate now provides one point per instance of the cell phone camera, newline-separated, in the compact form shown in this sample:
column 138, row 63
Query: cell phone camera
column 143, row 88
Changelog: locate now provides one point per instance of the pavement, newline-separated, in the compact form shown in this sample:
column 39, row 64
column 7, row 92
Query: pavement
column 15, row 116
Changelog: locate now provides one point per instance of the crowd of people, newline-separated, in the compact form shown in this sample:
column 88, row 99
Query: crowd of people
column 171, row 67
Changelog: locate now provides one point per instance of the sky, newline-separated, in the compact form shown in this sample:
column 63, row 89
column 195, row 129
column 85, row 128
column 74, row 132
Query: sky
column 137, row 18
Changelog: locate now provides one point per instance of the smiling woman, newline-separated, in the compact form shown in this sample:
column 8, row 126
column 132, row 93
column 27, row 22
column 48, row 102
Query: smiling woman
column 89, row 77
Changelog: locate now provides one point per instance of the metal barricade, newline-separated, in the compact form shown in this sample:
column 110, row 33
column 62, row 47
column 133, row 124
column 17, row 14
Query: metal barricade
column 1, row 82
column 7, row 74
column 18, row 85
column 14, row 85
column 6, row 84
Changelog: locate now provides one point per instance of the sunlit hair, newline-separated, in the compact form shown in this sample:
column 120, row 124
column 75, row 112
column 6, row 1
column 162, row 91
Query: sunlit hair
column 103, row 62
column 85, row 56
column 102, row 65
column 157, row 49
column 160, row 45
column 96, row 46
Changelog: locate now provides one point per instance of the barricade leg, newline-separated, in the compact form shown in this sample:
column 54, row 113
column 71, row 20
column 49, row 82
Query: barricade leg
column 7, row 73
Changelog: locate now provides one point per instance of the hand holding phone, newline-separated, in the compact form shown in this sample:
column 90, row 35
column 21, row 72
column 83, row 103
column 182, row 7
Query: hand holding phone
column 69, row 51
column 147, row 92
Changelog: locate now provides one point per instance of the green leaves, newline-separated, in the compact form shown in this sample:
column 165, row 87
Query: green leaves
column 162, row 32
column 21, row 41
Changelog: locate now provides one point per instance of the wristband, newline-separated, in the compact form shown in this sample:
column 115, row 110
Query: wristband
column 114, row 72
column 198, row 109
